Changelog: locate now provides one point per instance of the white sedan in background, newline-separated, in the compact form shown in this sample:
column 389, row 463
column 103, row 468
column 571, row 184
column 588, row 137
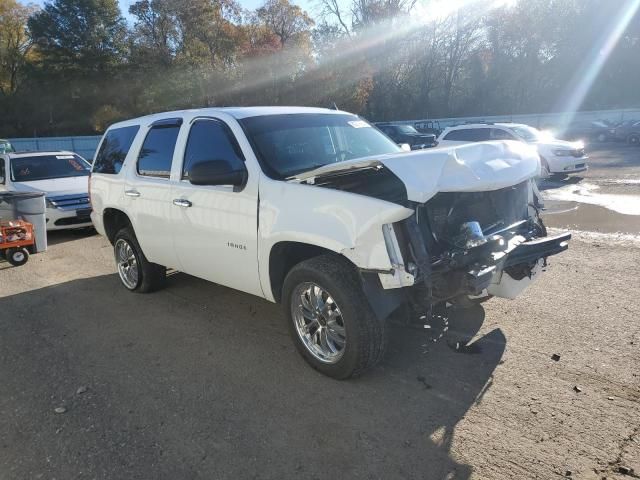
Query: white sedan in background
column 557, row 157
column 62, row 176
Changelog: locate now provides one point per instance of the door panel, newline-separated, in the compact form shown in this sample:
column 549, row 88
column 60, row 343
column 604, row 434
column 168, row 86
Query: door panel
column 148, row 193
column 216, row 237
column 215, row 231
column 150, row 212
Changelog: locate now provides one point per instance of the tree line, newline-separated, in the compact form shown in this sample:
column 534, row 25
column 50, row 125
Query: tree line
column 73, row 67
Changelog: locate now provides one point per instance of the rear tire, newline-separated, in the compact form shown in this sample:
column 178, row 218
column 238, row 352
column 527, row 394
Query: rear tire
column 339, row 288
column 137, row 274
column 17, row 256
column 633, row 139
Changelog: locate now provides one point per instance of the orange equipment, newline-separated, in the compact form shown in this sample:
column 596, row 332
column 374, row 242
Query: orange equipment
column 17, row 240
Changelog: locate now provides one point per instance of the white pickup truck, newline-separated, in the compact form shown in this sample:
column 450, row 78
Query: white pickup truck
column 318, row 211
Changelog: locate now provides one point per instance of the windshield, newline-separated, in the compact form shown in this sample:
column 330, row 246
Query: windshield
column 287, row 145
column 407, row 129
column 46, row 167
column 528, row 134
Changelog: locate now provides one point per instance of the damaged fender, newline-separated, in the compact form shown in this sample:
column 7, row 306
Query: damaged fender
column 345, row 223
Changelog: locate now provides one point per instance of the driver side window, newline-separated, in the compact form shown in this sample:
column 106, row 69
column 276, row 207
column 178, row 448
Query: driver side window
column 2, row 172
column 211, row 139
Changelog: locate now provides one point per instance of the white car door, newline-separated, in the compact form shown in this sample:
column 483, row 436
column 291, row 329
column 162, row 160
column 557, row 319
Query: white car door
column 215, row 228
column 147, row 192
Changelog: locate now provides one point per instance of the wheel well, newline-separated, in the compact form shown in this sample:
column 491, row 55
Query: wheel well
column 286, row 255
column 114, row 221
column 543, row 162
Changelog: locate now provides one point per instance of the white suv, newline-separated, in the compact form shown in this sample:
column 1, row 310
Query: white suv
column 557, row 157
column 319, row 211
column 62, row 176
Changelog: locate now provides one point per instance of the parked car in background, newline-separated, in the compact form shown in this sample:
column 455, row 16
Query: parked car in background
column 629, row 132
column 5, row 146
column 429, row 126
column 61, row 175
column 557, row 157
column 317, row 210
column 407, row 134
column 598, row 131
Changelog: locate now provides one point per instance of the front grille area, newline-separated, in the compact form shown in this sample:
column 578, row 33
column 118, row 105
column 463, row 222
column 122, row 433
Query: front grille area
column 83, row 216
column 69, row 202
column 441, row 217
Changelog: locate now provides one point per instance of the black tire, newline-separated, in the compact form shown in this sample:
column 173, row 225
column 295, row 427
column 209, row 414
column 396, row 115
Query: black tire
column 633, row 139
column 366, row 334
column 151, row 276
column 17, row 256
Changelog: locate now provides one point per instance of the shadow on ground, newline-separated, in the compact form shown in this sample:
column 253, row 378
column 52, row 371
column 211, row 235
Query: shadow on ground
column 200, row 381
column 62, row 236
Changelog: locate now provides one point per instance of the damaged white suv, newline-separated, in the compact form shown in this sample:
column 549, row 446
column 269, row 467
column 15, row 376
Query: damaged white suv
column 319, row 211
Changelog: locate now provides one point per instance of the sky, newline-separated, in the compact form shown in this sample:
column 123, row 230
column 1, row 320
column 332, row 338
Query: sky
column 308, row 5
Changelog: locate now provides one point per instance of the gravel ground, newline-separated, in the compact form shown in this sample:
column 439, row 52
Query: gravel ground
column 200, row 382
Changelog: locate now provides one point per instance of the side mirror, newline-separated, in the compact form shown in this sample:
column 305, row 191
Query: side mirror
column 405, row 147
column 217, row 172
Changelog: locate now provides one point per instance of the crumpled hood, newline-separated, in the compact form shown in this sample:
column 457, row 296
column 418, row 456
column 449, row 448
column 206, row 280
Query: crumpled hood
column 55, row 186
column 474, row 167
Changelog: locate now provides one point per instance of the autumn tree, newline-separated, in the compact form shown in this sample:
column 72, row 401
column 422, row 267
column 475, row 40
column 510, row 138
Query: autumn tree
column 85, row 36
column 15, row 44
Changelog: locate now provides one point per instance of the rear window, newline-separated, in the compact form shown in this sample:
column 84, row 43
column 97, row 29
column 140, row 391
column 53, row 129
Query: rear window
column 114, row 150
column 468, row 135
column 47, row 167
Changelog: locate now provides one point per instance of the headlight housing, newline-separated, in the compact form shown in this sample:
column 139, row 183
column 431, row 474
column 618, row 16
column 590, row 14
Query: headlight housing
column 561, row 152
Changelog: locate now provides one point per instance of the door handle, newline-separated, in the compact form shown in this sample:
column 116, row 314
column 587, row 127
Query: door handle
column 132, row 193
column 181, row 202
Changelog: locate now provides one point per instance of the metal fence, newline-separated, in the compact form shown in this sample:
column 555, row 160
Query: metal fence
column 541, row 120
column 83, row 146
column 86, row 146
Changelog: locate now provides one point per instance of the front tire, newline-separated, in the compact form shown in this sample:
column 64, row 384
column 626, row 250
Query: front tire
column 137, row 274
column 633, row 139
column 330, row 320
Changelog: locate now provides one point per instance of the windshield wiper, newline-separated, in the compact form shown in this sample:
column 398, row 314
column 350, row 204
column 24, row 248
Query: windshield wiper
column 312, row 167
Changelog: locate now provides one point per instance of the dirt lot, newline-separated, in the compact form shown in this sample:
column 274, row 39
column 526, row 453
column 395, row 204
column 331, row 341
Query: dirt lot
column 201, row 382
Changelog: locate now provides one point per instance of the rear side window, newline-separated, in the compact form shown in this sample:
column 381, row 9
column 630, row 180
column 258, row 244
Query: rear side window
column 114, row 149
column 468, row 135
column 156, row 154
column 497, row 134
column 211, row 140
column 456, row 135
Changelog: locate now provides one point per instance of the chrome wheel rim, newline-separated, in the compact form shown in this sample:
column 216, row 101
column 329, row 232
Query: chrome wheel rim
column 127, row 264
column 318, row 322
column 18, row 257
